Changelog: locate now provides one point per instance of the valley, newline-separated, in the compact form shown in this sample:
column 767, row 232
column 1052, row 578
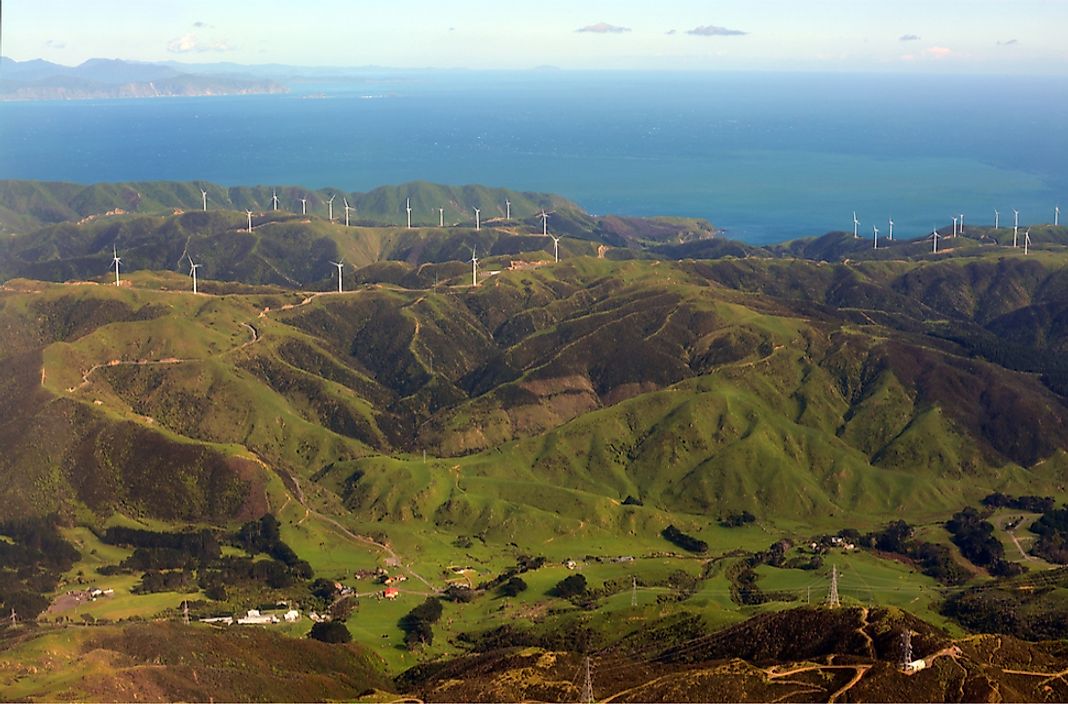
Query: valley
column 782, row 409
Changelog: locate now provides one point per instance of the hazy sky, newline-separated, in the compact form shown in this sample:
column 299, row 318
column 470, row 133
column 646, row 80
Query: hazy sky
column 1017, row 36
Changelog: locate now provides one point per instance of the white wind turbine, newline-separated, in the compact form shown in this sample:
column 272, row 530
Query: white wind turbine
column 545, row 222
column 1056, row 216
column 997, row 218
column 116, row 260
column 478, row 220
column 474, row 268
column 408, row 210
column 962, row 223
column 876, row 229
column 954, row 225
column 1015, row 226
column 934, row 241
column 303, row 206
column 507, row 209
column 856, row 224
column 204, row 200
column 274, row 200
column 193, row 272
column 891, row 237
column 441, row 217
column 556, row 246
column 340, row 266
column 249, row 213
column 1027, row 240
column 330, row 205
column 348, row 208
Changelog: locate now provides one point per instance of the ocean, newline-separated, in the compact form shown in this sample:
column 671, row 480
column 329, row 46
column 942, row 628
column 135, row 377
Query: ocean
column 767, row 157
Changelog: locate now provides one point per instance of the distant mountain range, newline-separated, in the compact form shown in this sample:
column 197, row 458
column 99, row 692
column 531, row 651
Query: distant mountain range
column 113, row 78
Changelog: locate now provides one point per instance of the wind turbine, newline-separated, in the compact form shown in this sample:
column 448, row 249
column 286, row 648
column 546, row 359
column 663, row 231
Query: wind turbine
column 274, row 199
column 441, row 217
column 204, row 200
column 507, row 209
column 330, row 205
column 340, row 265
column 934, row 241
column 249, row 213
column 891, row 237
column 876, row 236
column 303, row 206
column 116, row 260
column 347, row 209
column 556, row 246
column 997, row 219
column 193, row 272
column 856, row 224
column 478, row 221
column 1027, row 240
column 545, row 222
column 962, row 223
column 474, row 268
column 1015, row 226
column 954, row 225
column 408, row 209
column 1056, row 216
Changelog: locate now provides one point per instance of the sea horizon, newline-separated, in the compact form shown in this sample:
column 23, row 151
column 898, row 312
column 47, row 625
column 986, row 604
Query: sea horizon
column 765, row 156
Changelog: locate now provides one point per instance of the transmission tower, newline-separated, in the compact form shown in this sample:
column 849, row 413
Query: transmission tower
column 633, row 591
column 906, row 648
column 14, row 617
column 832, row 596
column 587, row 685
column 185, row 612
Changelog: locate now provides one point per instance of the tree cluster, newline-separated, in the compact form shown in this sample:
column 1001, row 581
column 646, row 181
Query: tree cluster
column 684, row 541
column 418, row 623
column 975, row 538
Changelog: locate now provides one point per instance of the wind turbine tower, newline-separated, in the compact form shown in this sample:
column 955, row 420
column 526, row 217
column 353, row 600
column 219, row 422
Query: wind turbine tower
column 249, row 213
column 1027, row 240
column 876, row 236
column 330, row 206
column 116, row 260
column 962, row 223
column 997, row 219
column 856, row 224
column 544, row 223
column 934, row 241
column 478, row 220
column 274, row 200
column 1015, row 226
column 954, row 225
column 204, row 200
column 507, row 209
column 441, row 217
column 891, row 237
column 556, row 246
column 340, row 267
column 193, row 272
column 303, row 206
column 348, row 208
column 408, row 209
column 1056, row 216
column 474, row 268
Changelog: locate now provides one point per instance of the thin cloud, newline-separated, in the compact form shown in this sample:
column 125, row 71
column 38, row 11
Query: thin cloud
column 190, row 43
column 603, row 28
column 909, row 38
column 711, row 30
column 1010, row 42
column 55, row 44
column 200, row 25
column 939, row 52
column 671, row 31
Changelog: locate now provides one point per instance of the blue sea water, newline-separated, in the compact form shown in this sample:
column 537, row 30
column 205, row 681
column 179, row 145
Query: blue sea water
column 768, row 157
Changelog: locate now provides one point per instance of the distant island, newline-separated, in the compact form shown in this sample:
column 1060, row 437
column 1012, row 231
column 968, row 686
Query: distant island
column 98, row 79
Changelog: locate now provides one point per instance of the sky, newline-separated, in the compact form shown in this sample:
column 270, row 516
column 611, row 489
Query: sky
column 935, row 36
